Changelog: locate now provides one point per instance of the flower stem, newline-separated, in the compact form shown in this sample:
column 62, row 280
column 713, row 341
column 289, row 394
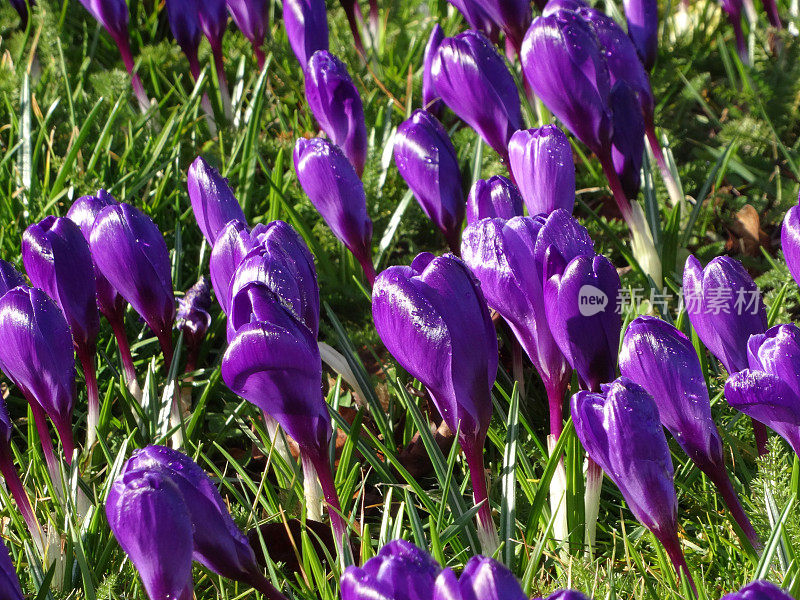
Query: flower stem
column 369, row 270
column 673, row 190
column 127, row 58
column 262, row 584
column 86, row 358
column 322, row 465
column 17, row 490
column 721, row 479
column 47, row 444
column 772, row 13
column 487, row 533
column 673, row 548
column 760, row 433
column 118, row 327
column 312, row 490
column 350, row 8
column 224, row 93
column 591, row 501
column 261, row 58
column 453, row 239
column 558, row 489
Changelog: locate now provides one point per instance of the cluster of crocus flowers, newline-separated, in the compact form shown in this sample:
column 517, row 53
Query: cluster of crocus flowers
column 433, row 318
column 165, row 513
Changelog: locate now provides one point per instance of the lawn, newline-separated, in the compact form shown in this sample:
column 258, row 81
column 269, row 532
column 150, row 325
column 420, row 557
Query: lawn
column 70, row 125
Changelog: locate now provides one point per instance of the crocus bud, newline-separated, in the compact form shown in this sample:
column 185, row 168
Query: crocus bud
column 621, row 431
column 642, row 18
column 512, row 16
column 725, row 308
column 334, row 100
column 36, row 353
column 273, row 361
column 759, row 590
column 627, row 150
column 790, row 241
column 192, row 317
column 332, row 185
column 57, row 259
column 663, row 361
column 541, row 162
column 427, row 161
column 185, row 27
column 131, row 253
column 9, row 582
column 430, row 97
column 477, row 17
column 433, row 319
column 565, row 67
column 217, row 542
column 233, row 243
column 400, row 571
column 213, row 202
column 579, row 299
column 733, row 10
column 567, row 595
column 280, row 259
column 83, row 212
column 484, row 578
column 251, row 17
column 306, row 24
column 9, row 277
column 212, row 17
column 769, row 391
column 149, row 518
column 495, row 197
column 473, row 80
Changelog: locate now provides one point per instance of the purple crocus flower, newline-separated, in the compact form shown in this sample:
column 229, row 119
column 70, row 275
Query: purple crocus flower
column 566, row 595
column 663, row 361
column 620, row 429
column 769, row 391
column 335, row 190
column 759, row 590
column 541, row 162
column 790, row 241
column 149, row 518
column 233, row 243
column 477, row 17
column 113, row 16
column 627, row 150
column 251, row 17
column 502, row 255
column 433, row 319
column 57, row 259
column 427, row 161
column 512, row 16
column 306, row 24
column 336, row 104
column 185, row 27
column 213, row 201
column 400, row 571
column 642, row 18
column 725, row 308
column 495, row 197
column 193, row 318
column 473, row 80
column 212, row 17
column 131, row 253
column 36, row 353
column 218, row 544
column 9, row 582
column 9, row 277
column 430, row 97
column 733, row 10
column 484, row 578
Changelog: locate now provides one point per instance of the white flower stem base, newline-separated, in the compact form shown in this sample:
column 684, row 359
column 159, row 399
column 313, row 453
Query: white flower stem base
column 558, row 495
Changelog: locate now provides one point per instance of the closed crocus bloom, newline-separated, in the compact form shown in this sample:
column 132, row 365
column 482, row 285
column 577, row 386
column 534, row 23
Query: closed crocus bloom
column 400, row 571
column 251, row 17
column 725, row 308
column 336, row 104
column 663, row 361
column 149, row 518
column 430, row 97
column 769, row 391
column 58, row 260
column 193, row 318
column 564, row 65
column 541, row 162
column 642, row 18
column 790, row 241
column 487, row 579
column 335, row 190
column 212, row 17
column 280, row 259
column 433, row 319
column 567, row 595
column 217, row 541
column 9, row 277
column 759, row 590
column 427, row 162
column 213, row 202
column 627, row 149
column 733, row 10
column 36, row 353
column 620, row 429
column 473, row 80
column 495, row 197
column 579, row 300
column 9, row 582
column 306, row 23
column 512, row 16
column 233, row 243
column 477, row 16
column 131, row 253
column 185, row 27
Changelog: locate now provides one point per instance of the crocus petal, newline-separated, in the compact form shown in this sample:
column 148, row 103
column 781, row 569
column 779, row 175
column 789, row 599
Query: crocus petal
column 642, row 18
column 213, row 202
column 111, row 14
column 306, row 24
column 9, row 582
column 430, row 97
column 250, row 17
column 9, row 277
column 627, row 149
column 495, row 197
column 486, row 579
column 790, row 241
column 759, row 590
